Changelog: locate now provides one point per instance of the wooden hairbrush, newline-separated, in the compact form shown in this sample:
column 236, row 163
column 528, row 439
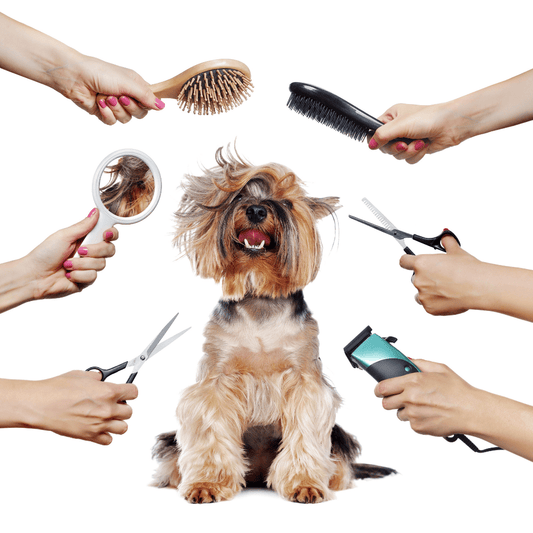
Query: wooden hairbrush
column 208, row 88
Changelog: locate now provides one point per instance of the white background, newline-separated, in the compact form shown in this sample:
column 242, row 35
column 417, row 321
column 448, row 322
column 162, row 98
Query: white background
column 373, row 54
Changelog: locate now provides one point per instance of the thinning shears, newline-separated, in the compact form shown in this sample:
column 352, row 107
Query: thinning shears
column 390, row 229
column 137, row 362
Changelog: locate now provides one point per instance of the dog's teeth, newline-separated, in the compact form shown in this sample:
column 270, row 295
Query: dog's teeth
column 254, row 246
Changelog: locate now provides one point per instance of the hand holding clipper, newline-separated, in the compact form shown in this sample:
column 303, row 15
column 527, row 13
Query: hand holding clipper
column 377, row 356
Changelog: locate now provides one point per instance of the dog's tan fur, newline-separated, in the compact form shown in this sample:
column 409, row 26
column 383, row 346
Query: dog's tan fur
column 261, row 410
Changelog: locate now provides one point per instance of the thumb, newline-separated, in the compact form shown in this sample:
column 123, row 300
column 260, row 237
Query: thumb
column 82, row 229
column 389, row 131
column 450, row 244
column 427, row 366
column 142, row 92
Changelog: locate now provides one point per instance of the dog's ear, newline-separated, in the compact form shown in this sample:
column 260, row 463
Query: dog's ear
column 322, row 207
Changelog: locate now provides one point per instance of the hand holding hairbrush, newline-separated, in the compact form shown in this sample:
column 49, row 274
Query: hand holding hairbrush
column 331, row 110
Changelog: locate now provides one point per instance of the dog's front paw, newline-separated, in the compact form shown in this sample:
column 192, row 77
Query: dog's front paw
column 207, row 493
column 308, row 495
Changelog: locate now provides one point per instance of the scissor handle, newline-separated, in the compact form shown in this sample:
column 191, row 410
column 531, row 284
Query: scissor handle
column 435, row 242
column 106, row 372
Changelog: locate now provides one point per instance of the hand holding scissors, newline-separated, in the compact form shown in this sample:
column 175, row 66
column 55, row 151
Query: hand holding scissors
column 137, row 362
column 443, row 281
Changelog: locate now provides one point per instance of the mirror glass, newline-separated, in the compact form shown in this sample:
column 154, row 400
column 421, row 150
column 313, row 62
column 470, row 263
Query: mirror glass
column 127, row 186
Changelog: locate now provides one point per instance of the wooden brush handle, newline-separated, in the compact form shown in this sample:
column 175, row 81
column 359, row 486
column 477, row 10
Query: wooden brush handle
column 171, row 88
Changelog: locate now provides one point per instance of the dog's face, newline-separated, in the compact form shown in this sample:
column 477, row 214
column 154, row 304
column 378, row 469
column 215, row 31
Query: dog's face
column 253, row 228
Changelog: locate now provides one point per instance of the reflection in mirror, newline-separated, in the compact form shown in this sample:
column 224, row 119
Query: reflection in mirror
column 130, row 188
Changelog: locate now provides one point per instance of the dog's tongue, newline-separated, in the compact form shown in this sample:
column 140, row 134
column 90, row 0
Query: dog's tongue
column 254, row 237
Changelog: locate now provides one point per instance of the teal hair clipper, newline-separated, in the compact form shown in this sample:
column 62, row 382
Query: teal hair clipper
column 377, row 356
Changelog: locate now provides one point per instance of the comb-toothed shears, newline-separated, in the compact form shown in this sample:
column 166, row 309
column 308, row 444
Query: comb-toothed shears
column 390, row 229
column 137, row 362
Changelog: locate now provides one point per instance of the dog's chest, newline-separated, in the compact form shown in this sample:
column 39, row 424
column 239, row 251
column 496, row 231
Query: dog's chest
column 264, row 337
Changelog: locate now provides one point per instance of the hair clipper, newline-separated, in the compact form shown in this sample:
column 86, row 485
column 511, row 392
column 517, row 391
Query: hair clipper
column 377, row 356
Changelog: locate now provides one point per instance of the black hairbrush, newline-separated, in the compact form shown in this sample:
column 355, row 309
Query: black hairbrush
column 331, row 110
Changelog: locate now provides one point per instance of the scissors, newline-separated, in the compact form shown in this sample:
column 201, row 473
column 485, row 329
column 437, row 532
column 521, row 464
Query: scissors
column 148, row 352
column 399, row 235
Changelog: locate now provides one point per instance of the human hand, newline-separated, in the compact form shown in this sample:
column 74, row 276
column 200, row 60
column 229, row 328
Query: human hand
column 55, row 271
column 431, row 128
column 447, row 284
column 78, row 405
column 110, row 92
column 435, row 401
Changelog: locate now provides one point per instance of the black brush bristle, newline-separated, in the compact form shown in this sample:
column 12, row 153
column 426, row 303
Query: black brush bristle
column 331, row 110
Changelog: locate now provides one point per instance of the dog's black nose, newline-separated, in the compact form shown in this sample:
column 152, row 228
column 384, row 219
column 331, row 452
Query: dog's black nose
column 256, row 213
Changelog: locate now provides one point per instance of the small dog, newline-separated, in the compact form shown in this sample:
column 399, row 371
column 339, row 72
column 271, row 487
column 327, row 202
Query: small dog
column 261, row 412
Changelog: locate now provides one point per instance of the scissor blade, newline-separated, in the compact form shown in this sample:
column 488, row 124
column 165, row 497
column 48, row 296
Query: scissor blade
column 168, row 341
column 150, row 348
column 384, row 220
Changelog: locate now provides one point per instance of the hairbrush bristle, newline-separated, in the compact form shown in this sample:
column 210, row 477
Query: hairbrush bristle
column 215, row 91
column 311, row 108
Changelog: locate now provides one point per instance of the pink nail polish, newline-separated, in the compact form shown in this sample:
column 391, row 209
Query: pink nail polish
column 419, row 145
column 82, row 250
column 112, row 101
column 67, row 274
column 93, row 211
column 159, row 104
column 124, row 100
column 401, row 147
column 102, row 104
column 372, row 144
column 108, row 235
column 67, row 264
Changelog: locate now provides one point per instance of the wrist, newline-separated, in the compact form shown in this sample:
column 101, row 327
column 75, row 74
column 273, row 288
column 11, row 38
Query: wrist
column 464, row 119
column 479, row 289
column 477, row 422
column 17, row 285
column 18, row 399
column 64, row 72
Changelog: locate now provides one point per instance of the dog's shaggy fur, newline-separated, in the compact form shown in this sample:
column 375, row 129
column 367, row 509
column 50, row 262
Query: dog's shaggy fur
column 261, row 412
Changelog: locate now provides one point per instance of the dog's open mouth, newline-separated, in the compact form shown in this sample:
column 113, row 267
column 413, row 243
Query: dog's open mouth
column 253, row 239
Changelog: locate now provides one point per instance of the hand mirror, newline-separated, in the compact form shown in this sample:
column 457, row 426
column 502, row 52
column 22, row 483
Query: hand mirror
column 126, row 189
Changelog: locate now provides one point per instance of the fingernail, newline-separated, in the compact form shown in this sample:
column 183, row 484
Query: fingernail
column 93, row 211
column 108, row 235
column 419, row 145
column 372, row 144
column 67, row 274
column 67, row 264
column 112, row 101
column 102, row 104
column 82, row 250
column 124, row 100
column 159, row 104
column 401, row 147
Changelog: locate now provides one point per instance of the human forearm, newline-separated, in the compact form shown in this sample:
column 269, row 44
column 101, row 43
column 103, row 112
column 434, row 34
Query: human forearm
column 503, row 422
column 34, row 55
column 506, row 290
column 495, row 107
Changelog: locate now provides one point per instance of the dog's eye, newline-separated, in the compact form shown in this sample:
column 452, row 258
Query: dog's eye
column 237, row 198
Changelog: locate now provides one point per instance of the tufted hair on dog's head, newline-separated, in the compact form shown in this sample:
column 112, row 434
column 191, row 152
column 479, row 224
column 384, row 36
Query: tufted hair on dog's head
column 251, row 227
